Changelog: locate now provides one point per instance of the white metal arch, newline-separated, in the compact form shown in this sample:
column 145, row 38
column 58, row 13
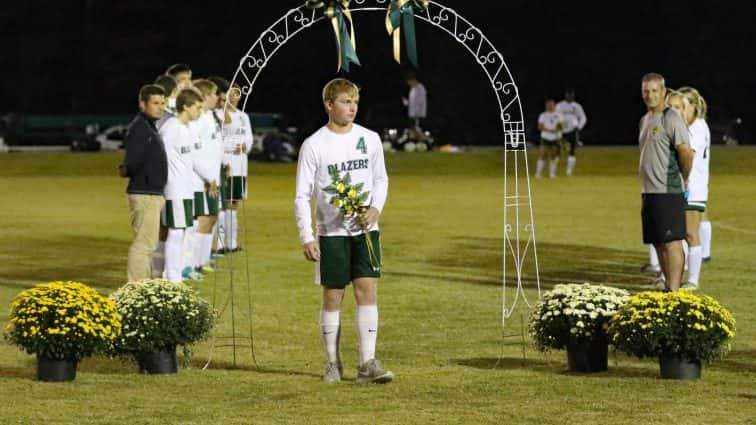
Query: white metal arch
column 517, row 202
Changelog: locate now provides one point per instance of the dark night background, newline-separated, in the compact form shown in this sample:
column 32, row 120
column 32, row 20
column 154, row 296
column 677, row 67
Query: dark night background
column 91, row 57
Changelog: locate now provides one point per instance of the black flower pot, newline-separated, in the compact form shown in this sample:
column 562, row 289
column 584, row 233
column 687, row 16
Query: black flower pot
column 158, row 362
column 677, row 366
column 52, row 370
column 588, row 356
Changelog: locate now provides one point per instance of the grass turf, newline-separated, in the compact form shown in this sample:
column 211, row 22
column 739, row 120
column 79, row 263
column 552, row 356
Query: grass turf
column 64, row 216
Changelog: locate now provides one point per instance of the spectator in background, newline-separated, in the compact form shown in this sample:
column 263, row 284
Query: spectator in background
column 146, row 166
column 574, row 121
column 665, row 162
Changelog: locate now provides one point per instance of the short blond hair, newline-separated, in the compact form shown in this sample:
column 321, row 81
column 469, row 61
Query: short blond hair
column 338, row 86
column 207, row 87
column 695, row 99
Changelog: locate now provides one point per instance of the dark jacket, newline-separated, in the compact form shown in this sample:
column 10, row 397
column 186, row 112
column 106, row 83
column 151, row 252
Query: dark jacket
column 146, row 162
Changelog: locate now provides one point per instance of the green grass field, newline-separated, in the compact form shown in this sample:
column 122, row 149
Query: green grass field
column 64, row 217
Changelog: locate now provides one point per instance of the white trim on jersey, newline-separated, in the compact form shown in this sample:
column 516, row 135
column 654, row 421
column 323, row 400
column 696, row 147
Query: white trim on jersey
column 363, row 161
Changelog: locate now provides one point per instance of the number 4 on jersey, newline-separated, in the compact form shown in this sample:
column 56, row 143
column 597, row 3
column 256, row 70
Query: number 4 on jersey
column 361, row 145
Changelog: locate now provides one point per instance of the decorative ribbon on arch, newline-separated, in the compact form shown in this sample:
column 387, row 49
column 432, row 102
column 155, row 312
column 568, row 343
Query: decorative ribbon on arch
column 338, row 12
column 401, row 14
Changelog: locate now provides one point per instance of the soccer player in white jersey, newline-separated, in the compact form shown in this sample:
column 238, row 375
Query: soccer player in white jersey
column 178, row 212
column 237, row 142
column 698, row 181
column 575, row 120
column 182, row 73
column 170, row 85
column 339, row 247
column 550, row 122
column 208, row 156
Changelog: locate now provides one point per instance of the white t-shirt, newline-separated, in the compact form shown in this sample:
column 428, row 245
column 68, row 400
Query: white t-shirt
column 206, row 151
column 573, row 114
column 359, row 153
column 237, row 133
column 700, row 141
column 178, row 141
column 550, row 122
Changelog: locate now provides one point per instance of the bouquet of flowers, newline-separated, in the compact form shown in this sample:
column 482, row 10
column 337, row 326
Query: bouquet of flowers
column 574, row 313
column 158, row 314
column 350, row 199
column 681, row 322
column 63, row 321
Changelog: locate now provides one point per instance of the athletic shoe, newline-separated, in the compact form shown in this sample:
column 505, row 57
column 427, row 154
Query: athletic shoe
column 690, row 286
column 373, row 373
column 657, row 284
column 706, row 259
column 190, row 274
column 651, row 268
column 332, row 372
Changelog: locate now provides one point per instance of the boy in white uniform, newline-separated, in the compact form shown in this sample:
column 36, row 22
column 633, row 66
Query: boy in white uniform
column 237, row 142
column 178, row 212
column 575, row 120
column 209, row 156
column 550, row 122
column 340, row 249
column 205, row 181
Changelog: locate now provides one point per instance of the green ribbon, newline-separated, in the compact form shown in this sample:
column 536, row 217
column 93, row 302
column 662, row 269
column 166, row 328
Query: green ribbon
column 401, row 14
column 338, row 12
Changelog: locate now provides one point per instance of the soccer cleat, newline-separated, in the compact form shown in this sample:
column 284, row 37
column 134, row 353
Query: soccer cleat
column 690, row 286
column 706, row 259
column 657, row 284
column 332, row 373
column 651, row 268
column 373, row 373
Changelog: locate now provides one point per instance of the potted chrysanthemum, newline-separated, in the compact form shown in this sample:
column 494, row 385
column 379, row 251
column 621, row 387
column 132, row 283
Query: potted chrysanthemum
column 682, row 328
column 158, row 315
column 573, row 317
column 62, row 323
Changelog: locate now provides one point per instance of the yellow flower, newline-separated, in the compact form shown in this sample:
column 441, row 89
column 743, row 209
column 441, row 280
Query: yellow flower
column 340, row 187
column 337, row 202
column 352, row 194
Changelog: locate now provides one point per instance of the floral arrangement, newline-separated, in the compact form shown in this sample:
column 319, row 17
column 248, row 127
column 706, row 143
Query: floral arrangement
column 63, row 321
column 574, row 313
column 681, row 322
column 350, row 199
column 158, row 314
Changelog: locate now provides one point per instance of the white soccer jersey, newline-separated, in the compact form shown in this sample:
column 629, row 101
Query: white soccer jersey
column 698, row 181
column 237, row 133
column 550, row 122
column 206, row 151
column 178, row 142
column 573, row 114
column 359, row 153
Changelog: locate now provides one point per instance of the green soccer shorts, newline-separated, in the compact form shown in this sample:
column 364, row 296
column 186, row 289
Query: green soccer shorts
column 345, row 258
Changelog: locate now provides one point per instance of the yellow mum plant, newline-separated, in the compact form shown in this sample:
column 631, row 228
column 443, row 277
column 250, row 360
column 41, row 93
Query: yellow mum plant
column 63, row 321
column 682, row 322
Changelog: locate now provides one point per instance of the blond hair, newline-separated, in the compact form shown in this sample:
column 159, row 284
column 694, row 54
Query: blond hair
column 338, row 86
column 206, row 87
column 695, row 99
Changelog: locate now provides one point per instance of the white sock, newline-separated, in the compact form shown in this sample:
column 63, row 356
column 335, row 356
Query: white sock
column 653, row 258
column 571, row 160
column 685, row 254
column 173, row 255
column 234, row 229
column 187, row 246
column 694, row 259
column 219, row 230
column 553, row 167
column 705, row 235
column 205, row 247
column 158, row 260
column 539, row 167
column 330, row 330
column 367, row 331
column 200, row 246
